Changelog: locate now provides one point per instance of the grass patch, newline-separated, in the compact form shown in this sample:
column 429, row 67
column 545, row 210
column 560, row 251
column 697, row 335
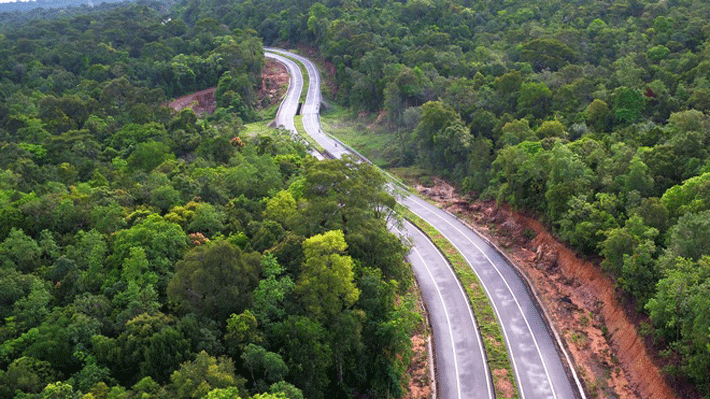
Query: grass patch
column 355, row 132
column 491, row 332
column 269, row 113
column 412, row 175
column 298, row 121
column 256, row 128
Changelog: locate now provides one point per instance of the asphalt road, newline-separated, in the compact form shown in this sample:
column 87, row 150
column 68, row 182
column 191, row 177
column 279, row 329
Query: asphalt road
column 460, row 360
column 541, row 366
column 459, row 357
column 311, row 107
column 289, row 106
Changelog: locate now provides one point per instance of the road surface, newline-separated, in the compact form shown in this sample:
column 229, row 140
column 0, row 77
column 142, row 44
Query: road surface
column 541, row 366
column 289, row 106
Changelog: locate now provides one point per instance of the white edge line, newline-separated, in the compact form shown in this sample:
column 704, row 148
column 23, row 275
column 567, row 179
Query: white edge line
column 470, row 311
column 495, row 308
column 448, row 322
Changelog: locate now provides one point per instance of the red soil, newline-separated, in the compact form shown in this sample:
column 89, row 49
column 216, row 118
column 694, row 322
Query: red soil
column 600, row 334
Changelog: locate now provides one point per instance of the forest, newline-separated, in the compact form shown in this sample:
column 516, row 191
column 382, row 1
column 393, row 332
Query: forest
column 148, row 253
column 590, row 116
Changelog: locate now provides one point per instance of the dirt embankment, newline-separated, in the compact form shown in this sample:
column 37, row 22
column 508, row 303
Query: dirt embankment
column 274, row 82
column 610, row 356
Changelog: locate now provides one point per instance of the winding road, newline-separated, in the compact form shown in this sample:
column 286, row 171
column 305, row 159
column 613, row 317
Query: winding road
column 542, row 367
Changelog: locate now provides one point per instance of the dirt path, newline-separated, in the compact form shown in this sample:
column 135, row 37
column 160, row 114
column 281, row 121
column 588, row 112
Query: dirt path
column 610, row 356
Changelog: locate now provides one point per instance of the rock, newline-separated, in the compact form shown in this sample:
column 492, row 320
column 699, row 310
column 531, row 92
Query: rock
column 546, row 258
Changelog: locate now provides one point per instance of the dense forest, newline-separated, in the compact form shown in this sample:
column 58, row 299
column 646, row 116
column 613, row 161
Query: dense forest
column 15, row 14
column 47, row 4
column 590, row 115
column 148, row 253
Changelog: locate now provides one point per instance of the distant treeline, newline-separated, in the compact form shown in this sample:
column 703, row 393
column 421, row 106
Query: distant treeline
column 31, row 5
column 19, row 12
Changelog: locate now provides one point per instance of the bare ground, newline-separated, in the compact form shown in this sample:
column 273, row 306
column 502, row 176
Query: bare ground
column 419, row 386
column 610, row 356
column 274, row 82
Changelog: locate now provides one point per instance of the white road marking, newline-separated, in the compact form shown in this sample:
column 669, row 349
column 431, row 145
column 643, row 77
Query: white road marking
column 537, row 347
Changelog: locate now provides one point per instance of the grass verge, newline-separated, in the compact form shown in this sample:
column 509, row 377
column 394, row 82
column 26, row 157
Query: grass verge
column 491, row 334
column 298, row 121
column 357, row 133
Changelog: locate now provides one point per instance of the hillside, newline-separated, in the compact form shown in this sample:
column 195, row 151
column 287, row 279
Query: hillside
column 148, row 252
column 590, row 118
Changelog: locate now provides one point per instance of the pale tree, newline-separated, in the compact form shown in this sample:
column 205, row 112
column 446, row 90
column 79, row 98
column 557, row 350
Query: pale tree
column 326, row 286
column 197, row 378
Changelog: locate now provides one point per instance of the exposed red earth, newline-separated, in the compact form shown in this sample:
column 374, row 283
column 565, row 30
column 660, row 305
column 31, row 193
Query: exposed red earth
column 274, row 81
column 599, row 331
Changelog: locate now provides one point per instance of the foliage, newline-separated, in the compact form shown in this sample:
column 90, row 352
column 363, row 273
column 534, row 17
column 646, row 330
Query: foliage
column 143, row 254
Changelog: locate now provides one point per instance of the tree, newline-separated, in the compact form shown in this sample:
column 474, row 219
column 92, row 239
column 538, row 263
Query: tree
column 547, row 53
column 273, row 292
column 147, row 156
column 288, row 390
column 435, row 117
column 628, row 105
column 341, row 195
column 691, row 196
column 690, row 237
column 535, row 99
column 264, row 366
column 197, row 378
column 280, row 207
column 27, row 375
column 206, row 219
column 59, row 390
column 164, row 243
column 569, row 177
column 584, row 223
column 214, row 280
column 597, row 113
column 326, row 285
column 20, row 251
column 551, row 129
column 516, row 132
column 678, row 311
column 241, row 331
column 306, row 353
column 520, row 174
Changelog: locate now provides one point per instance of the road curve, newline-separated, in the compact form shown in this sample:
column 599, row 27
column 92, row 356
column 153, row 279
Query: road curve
column 541, row 365
column 289, row 106
column 461, row 367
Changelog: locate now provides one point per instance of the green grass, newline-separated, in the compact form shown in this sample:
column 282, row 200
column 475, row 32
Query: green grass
column 298, row 121
column 355, row 132
column 269, row 113
column 256, row 128
column 491, row 332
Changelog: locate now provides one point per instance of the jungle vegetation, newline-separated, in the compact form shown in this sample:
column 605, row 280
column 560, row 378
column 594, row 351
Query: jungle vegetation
column 591, row 116
column 148, row 253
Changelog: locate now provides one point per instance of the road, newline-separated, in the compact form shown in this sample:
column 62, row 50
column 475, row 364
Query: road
column 311, row 107
column 460, row 360
column 289, row 106
column 542, row 368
